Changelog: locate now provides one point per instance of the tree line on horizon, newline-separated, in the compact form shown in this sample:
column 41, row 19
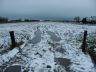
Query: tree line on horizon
column 85, row 20
column 6, row 20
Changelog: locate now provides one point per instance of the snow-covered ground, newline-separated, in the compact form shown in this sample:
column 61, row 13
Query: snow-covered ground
column 48, row 47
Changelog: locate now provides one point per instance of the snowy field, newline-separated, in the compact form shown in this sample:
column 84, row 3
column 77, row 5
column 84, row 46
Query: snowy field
column 47, row 47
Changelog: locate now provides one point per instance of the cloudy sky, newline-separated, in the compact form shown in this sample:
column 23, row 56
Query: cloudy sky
column 47, row 8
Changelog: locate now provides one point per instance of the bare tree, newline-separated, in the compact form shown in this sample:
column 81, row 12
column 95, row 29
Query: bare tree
column 77, row 19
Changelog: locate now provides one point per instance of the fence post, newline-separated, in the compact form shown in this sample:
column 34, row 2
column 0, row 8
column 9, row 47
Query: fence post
column 84, row 44
column 12, row 38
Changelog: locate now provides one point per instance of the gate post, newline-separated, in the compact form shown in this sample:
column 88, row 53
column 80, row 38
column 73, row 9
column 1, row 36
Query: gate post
column 84, row 44
column 12, row 38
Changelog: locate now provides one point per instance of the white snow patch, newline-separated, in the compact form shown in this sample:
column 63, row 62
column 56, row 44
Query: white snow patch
column 39, row 55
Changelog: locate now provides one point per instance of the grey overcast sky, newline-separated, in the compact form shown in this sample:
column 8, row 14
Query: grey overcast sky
column 47, row 8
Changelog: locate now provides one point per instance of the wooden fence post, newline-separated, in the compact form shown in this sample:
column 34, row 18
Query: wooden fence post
column 84, row 44
column 12, row 38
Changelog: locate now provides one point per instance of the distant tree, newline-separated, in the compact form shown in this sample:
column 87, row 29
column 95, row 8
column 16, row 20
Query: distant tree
column 19, row 20
column 77, row 19
column 3, row 20
column 30, row 20
column 93, row 19
column 26, row 20
column 84, row 20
